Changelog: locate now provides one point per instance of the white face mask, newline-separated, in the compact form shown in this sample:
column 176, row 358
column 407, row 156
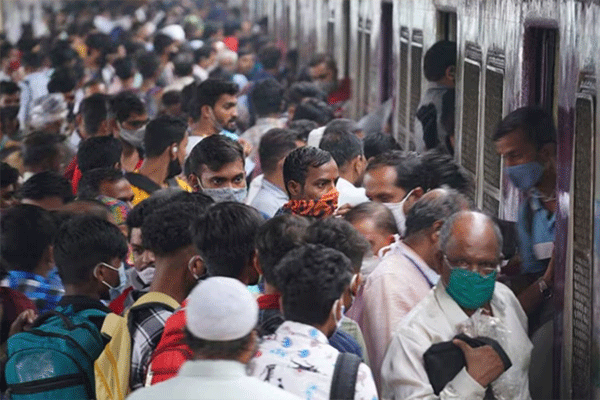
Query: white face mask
column 146, row 275
column 368, row 264
column 338, row 322
column 398, row 210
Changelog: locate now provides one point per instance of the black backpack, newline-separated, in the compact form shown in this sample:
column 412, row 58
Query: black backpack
column 343, row 383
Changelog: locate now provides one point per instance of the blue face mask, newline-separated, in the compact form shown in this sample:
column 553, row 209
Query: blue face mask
column 470, row 289
column 525, row 176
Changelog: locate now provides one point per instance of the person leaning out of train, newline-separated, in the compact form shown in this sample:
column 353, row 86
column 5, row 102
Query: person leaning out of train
column 466, row 313
column 323, row 72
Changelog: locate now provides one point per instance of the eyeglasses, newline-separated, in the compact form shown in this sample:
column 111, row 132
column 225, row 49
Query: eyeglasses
column 484, row 267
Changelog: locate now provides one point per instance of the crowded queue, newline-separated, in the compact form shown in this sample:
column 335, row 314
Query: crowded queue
column 186, row 213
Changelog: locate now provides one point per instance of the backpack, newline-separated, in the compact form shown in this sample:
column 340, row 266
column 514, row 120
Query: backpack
column 113, row 366
column 343, row 382
column 55, row 359
column 171, row 352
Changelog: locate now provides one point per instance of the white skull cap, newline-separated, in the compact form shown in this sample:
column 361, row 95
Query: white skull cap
column 221, row 309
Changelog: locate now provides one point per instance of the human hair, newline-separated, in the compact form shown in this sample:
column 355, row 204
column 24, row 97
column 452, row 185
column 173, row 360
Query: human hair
column 33, row 59
column 376, row 212
column 343, row 145
column 214, row 152
column 89, row 184
column 100, row 42
column 82, row 207
column 82, row 243
column 218, row 350
column 438, row 58
column 26, row 231
column 148, row 64
column 203, row 52
column 224, row 237
column 269, row 57
column 63, row 80
column 135, row 219
column 183, row 63
column 161, row 133
column 267, row 97
column 441, row 169
column 311, row 278
column 276, row 238
column 126, row 103
column 299, row 91
column 98, row 152
column 299, row 160
column 208, row 93
column 167, row 229
column 41, row 148
column 427, row 211
column 275, row 146
column 95, row 109
column 338, row 234
column 161, row 43
column 8, row 175
column 62, row 53
column 377, row 143
column 171, row 98
column 8, row 87
column 124, row 68
column 448, row 227
column 407, row 165
column 327, row 59
column 315, row 110
column 535, row 123
column 302, row 128
column 46, row 184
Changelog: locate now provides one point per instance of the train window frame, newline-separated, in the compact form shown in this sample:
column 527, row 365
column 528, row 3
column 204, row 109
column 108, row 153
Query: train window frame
column 403, row 79
column 540, row 77
column 415, row 81
column 447, row 24
column 387, row 52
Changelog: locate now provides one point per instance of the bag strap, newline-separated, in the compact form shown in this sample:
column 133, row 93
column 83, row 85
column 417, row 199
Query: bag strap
column 155, row 297
column 49, row 314
column 343, row 383
column 142, row 182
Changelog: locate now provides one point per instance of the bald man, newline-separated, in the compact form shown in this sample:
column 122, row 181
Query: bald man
column 406, row 273
column 470, row 244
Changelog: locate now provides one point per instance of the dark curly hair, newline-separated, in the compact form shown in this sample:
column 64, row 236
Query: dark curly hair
column 340, row 235
column 311, row 278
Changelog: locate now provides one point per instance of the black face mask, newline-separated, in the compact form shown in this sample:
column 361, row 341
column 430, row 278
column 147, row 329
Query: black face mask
column 9, row 113
column 174, row 168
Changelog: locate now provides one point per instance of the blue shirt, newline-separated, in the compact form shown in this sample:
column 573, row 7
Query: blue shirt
column 536, row 235
column 269, row 198
column 44, row 292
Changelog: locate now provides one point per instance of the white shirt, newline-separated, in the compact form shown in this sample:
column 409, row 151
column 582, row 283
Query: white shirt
column 400, row 281
column 298, row 358
column 437, row 319
column 269, row 198
column 212, row 379
column 350, row 194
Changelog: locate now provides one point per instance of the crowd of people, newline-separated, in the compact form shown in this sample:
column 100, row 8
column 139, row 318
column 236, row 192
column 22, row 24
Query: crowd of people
column 186, row 213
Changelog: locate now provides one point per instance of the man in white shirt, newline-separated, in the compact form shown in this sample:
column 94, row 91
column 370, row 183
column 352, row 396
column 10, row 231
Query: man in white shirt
column 346, row 148
column 471, row 245
column 221, row 315
column 406, row 273
column 275, row 145
column 312, row 280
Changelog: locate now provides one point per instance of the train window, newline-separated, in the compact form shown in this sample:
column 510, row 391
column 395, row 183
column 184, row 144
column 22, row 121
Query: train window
column 446, row 25
column 403, row 86
column 387, row 41
column 416, row 71
column 583, row 175
column 346, row 12
column 366, row 68
column 540, row 49
column 331, row 31
column 360, row 77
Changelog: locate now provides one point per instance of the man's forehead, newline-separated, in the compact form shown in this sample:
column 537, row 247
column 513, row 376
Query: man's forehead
column 137, row 117
column 472, row 232
column 226, row 98
column 227, row 170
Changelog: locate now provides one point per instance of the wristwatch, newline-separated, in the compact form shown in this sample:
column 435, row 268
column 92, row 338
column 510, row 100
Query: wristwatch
column 544, row 289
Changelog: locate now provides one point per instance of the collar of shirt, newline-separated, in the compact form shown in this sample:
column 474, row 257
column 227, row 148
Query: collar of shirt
column 431, row 276
column 303, row 331
column 274, row 189
column 80, row 303
column 213, row 369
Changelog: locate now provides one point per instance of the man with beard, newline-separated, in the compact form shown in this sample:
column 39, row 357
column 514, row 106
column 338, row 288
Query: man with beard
column 130, row 123
column 164, row 141
column 10, row 96
column 213, row 111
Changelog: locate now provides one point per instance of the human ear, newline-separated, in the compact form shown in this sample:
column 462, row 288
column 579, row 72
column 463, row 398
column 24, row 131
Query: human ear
column 294, row 188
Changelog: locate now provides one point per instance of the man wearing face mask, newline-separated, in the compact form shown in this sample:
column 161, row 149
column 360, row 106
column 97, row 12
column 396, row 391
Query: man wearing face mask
column 395, row 179
column 324, row 73
column 213, row 110
column 312, row 280
column 470, row 244
column 164, row 142
column 310, row 175
column 129, row 125
column 217, row 169
column 406, row 273
column 177, row 268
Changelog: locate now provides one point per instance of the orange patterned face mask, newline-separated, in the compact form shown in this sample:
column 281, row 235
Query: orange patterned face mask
column 324, row 207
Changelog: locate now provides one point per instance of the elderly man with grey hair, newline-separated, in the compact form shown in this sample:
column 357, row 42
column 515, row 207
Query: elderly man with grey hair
column 406, row 273
column 468, row 300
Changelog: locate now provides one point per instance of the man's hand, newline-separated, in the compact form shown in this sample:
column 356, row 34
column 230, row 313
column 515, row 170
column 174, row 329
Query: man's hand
column 246, row 146
column 340, row 212
column 483, row 363
column 23, row 322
